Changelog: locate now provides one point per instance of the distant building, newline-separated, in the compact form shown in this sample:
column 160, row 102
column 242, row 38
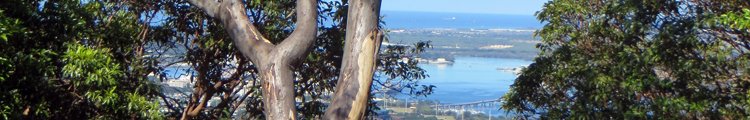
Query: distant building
column 441, row 61
column 397, row 31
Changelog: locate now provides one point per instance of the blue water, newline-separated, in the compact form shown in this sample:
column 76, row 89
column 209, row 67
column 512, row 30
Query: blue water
column 419, row 20
column 471, row 79
column 468, row 79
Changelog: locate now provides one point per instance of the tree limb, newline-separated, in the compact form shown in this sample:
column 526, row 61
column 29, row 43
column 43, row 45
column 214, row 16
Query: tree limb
column 299, row 42
column 210, row 7
column 232, row 15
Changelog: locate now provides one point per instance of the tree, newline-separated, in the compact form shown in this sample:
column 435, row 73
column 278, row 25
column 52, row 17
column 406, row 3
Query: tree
column 73, row 59
column 637, row 59
column 201, row 43
column 275, row 61
column 99, row 59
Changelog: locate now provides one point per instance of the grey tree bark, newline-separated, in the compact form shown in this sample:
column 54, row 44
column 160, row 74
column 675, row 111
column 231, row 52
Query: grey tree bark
column 273, row 61
column 358, row 66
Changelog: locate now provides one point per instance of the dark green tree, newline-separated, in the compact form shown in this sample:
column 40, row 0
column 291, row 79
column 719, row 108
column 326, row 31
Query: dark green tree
column 634, row 59
column 73, row 59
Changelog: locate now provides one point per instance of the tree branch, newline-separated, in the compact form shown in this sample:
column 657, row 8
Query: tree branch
column 232, row 15
column 210, row 7
column 253, row 45
column 299, row 42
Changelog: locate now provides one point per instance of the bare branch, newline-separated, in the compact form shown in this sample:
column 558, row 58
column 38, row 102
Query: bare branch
column 232, row 15
column 299, row 42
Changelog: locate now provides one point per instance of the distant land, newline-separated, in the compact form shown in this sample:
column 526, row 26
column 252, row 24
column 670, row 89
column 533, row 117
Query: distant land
column 420, row 20
column 465, row 34
column 490, row 43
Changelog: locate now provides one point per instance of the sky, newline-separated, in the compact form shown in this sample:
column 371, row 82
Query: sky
column 508, row 7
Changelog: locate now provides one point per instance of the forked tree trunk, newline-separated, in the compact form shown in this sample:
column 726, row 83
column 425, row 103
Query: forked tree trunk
column 273, row 61
column 358, row 66
column 362, row 44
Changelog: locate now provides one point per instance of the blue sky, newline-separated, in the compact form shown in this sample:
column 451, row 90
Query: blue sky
column 511, row 7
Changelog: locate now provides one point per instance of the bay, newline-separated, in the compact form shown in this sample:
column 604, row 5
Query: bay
column 471, row 79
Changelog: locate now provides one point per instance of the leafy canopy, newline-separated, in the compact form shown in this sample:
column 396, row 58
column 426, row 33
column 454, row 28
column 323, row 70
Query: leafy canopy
column 73, row 59
column 638, row 59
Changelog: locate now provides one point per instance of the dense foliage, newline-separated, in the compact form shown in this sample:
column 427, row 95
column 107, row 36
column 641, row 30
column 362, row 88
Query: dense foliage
column 72, row 60
column 638, row 59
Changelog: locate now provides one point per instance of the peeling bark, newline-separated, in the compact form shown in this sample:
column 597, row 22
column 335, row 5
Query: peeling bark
column 361, row 48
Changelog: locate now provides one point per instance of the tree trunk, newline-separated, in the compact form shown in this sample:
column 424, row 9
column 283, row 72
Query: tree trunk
column 362, row 44
column 278, row 97
column 274, row 61
column 360, row 52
